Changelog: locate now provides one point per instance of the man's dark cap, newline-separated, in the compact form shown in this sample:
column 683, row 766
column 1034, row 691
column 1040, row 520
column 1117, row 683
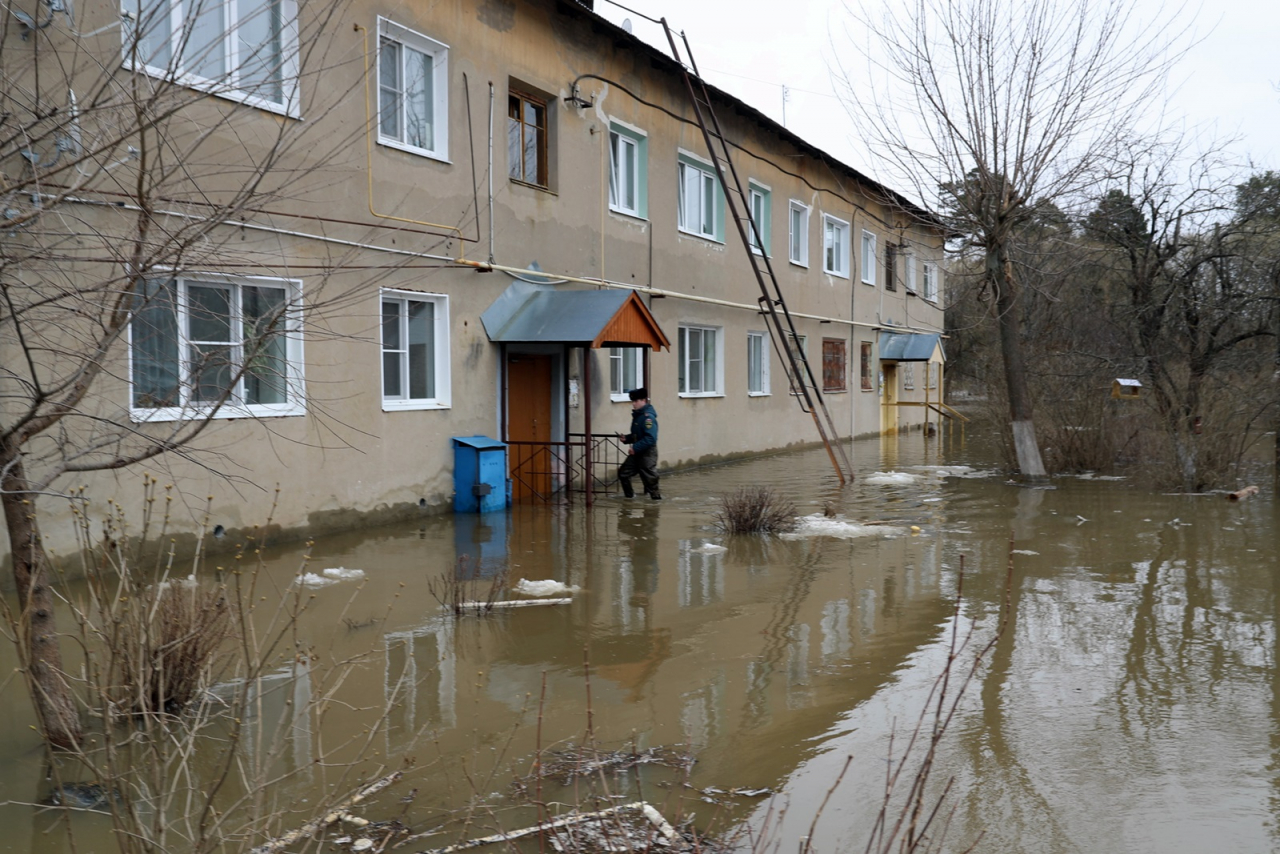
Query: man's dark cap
column 638, row 394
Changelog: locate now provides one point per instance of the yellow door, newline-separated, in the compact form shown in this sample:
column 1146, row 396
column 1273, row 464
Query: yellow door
column 889, row 398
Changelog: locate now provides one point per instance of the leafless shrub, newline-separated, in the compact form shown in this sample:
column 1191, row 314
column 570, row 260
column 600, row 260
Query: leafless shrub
column 167, row 645
column 179, row 762
column 462, row 589
column 755, row 510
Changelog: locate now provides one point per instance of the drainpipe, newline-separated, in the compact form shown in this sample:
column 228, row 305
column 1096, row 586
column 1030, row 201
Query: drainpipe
column 490, row 172
column 586, row 410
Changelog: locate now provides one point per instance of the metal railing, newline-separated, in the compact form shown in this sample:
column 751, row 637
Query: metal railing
column 554, row 472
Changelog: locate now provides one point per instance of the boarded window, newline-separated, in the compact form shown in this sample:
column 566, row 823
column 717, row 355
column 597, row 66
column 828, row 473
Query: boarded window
column 833, row 365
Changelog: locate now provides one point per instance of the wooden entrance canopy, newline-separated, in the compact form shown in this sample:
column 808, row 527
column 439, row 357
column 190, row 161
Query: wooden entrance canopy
column 530, row 313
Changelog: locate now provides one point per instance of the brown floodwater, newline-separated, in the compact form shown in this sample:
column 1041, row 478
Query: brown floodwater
column 1132, row 703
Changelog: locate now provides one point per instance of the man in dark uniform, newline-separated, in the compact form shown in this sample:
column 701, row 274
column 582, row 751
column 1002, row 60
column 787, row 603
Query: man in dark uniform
column 642, row 456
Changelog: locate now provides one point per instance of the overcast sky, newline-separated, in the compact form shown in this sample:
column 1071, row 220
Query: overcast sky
column 1225, row 86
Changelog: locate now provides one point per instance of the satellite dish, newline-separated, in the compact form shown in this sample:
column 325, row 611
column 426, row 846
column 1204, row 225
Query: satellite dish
column 626, row 24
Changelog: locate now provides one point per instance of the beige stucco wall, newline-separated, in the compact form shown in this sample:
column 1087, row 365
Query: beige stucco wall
column 346, row 460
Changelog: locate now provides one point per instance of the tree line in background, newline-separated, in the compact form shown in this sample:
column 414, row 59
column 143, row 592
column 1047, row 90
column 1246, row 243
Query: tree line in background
column 1092, row 243
column 1170, row 276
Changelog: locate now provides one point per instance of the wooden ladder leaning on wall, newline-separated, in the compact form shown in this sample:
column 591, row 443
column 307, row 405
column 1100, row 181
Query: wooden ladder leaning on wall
column 782, row 329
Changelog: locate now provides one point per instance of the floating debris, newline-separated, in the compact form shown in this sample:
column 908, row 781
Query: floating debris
column 479, row 607
column 341, row 812
column 569, row 763
column 720, row 797
column 82, row 796
column 632, row 827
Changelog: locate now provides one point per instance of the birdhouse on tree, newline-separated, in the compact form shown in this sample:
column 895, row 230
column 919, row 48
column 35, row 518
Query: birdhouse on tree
column 1122, row 389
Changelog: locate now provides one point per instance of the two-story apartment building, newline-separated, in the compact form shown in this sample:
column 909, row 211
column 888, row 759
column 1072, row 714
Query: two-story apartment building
column 435, row 190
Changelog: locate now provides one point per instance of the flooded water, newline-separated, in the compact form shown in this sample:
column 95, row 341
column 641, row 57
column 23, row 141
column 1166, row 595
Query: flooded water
column 1132, row 703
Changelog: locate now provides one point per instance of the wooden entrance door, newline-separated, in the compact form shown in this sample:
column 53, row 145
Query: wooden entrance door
column 529, row 420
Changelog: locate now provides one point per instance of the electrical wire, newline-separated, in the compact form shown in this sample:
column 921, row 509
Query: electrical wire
column 921, row 214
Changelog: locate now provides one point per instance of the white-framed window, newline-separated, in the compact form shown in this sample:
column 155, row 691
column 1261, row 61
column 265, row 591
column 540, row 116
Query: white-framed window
column 798, row 233
column 835, row 246
column 245, row 50
column 761, row 200
column 626, row 371
column 909, row 271
column 203, row 342
column 868, row 258
column 628, row 170
column 700, row 361
column 757, row 364
column 413, row 91
column 930, row 284
column 931, row 372
column 415, row 350
column 700, row 205
column 909, row 375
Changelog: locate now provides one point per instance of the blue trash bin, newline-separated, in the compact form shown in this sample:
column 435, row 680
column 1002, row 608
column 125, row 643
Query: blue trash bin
column 479, row 475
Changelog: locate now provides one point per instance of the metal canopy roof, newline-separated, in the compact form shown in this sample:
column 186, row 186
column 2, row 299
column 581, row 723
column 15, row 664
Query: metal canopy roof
column 527, row 313
column 908, row 346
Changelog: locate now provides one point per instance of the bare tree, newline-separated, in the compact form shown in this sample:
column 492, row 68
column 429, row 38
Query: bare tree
column 991, row 108
column 1192, row 254
column 135, row 150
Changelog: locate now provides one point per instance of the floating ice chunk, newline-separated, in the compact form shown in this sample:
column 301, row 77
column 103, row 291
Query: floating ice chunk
column 332, row 575
column 819, row 525
column 188, row 582
column 1025, row 552
column 891, row 477
column 945, row 471
column 545, row 587
column 311, row 579
column 709, row 549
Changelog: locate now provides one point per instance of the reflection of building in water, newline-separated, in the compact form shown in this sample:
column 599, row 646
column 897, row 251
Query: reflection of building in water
column 702, row 712
column 277, row 717
column 418, row 679
column 628, row 613
column 638, row 568
column 799, row 694
column 757, row 711
column 866, row 612
column 700, row 569
column 836, row 643
column 480, row 544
